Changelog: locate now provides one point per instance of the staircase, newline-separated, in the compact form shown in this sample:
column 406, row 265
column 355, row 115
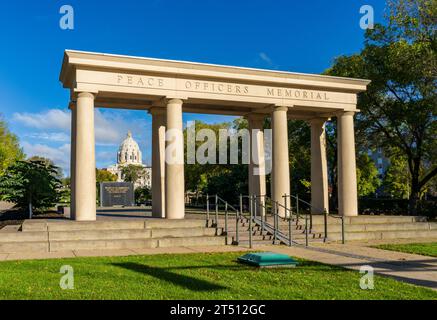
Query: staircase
column 66, row 235
column 247, row 228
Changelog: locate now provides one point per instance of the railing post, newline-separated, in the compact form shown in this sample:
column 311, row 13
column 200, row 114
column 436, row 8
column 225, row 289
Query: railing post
column 241, row 204
column 261, row 212
column 297, row 208
column 290, row 236
column 238, row 216
column 325, row 218
column 207, row 210
column 216, row 212
column 306, row 230
column 250, row 222
column 226, row 218
column 342, row 230
column 274, row 220
column 285, row 203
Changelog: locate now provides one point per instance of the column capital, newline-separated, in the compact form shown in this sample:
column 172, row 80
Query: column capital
column 345, row 113
column 318, row 120
column 169, row 98
column 86, row 94
column 280, row 108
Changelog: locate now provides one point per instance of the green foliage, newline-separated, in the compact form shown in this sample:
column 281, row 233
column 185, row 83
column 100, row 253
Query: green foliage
column 143, row 195
column 10, row 150
column 367, row 176
column 228, row 180
column 105, row 176
column 397, row 178
column 132, row 172
column 31, row 182
column 399, row 108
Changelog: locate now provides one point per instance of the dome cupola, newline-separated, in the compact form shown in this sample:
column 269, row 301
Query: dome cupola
column 129, row 151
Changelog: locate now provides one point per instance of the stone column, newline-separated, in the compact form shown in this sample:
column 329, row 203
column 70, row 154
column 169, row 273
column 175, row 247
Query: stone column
column 257, row 178
column 174, row 162
column 158, row 162
column 280, row 165
column 73, row 160
column 85, row 171
column 347, row 175
column 319, row 167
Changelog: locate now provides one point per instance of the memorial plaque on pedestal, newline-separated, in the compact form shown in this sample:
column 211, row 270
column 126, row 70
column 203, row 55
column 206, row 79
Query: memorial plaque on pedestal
column 116, row 194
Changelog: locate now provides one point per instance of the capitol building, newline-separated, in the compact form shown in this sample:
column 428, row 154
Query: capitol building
column 129, row 153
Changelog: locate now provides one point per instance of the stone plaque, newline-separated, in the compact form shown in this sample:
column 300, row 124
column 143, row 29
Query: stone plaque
column 116, row 194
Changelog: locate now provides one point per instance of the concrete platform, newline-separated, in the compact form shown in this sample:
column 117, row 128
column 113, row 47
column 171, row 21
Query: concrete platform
column 59, row 235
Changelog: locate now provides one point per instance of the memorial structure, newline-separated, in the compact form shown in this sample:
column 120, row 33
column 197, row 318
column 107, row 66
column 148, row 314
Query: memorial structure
column 167, row 88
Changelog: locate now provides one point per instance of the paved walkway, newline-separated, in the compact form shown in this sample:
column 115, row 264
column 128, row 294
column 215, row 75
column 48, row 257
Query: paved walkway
column 411, row 268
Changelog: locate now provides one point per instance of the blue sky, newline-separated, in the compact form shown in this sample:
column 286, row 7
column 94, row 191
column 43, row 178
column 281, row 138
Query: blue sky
column 300, row 36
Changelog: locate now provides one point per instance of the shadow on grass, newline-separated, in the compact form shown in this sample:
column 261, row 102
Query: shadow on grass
column 185, row 281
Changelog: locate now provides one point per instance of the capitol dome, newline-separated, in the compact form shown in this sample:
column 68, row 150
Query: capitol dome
column 129, row 151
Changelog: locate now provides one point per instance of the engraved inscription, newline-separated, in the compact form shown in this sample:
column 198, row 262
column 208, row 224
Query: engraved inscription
column 140, row 81
column 220, row 87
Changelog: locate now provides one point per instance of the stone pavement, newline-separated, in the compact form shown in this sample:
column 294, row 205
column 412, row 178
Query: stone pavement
column 411, row 268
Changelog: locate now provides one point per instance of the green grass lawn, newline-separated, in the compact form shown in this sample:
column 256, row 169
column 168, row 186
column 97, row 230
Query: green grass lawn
column 426, row 249
column 191, row 276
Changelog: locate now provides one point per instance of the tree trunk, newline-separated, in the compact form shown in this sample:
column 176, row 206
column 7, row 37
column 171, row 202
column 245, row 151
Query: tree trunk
column 30, row 210
column 415, row 192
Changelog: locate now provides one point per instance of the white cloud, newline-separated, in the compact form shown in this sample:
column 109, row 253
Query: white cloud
column 52, row 119
column 110, row 127
column 51, row 136
column 59, row 155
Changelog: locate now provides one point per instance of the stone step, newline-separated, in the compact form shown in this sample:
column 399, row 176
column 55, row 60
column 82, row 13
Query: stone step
column 65, row 245
column 69, row 225
column 381, row 235
column 182, row 232
column 192, row 241
column 99, row 234
column 102, row 244
column 30, row 246
column 418, row 226
column 258, row 243
column 105, row 234
column 176, row 223
column 254, row 238
column 18, row 236
column 119, row 224
column 365, row 219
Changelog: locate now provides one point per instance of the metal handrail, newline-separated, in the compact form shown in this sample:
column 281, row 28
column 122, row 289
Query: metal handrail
column 228, row 206
column 276, row 230
column 325, row 214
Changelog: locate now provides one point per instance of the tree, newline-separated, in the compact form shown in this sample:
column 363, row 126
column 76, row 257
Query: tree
column 398, row 110
column 30, row 184
column 10, row 150
column 132, row 173
column 143, row 195
column 48, row 163
column 367, row 176
column 104, row 176
column 397, row 179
